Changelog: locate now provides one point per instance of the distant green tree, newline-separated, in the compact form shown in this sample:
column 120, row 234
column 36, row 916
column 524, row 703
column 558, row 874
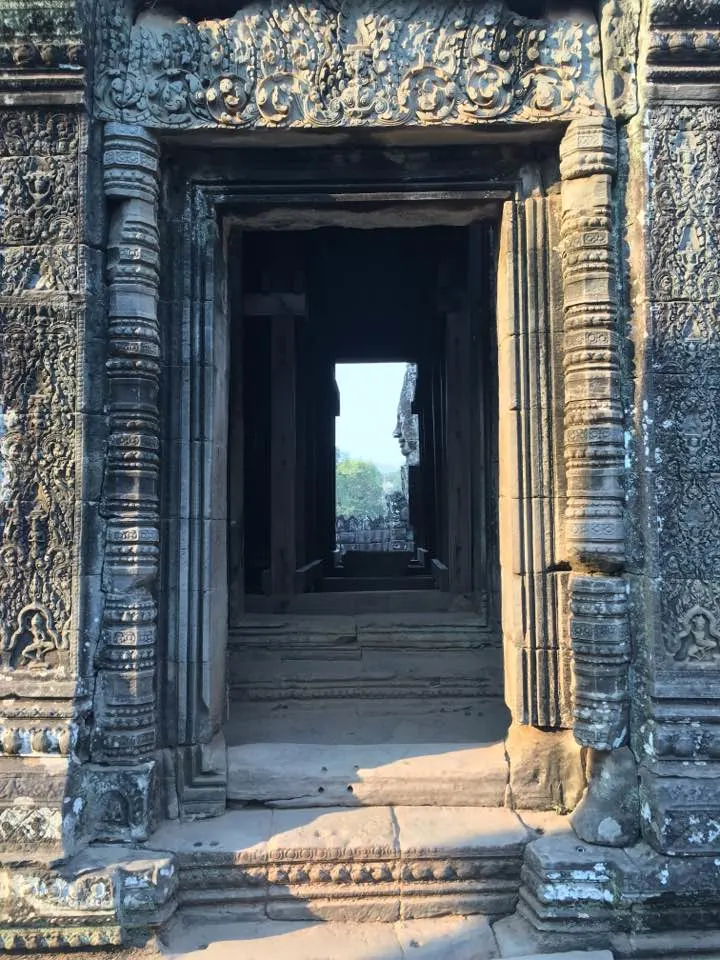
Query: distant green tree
column 359, row 489
column 341, row 455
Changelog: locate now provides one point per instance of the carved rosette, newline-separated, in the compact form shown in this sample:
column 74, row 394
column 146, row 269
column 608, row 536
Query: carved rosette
column 594, row 440
column 125, row 724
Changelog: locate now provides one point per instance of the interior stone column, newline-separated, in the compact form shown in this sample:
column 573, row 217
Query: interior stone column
column 124, row 733
column 594, row 465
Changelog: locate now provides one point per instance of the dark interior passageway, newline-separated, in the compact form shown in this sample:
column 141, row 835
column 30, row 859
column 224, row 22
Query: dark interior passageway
column 307, row 301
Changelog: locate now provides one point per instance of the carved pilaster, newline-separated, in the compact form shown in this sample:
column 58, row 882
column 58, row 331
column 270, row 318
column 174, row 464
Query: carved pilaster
column 594, row 442
column 537, row 660
column 125, row 703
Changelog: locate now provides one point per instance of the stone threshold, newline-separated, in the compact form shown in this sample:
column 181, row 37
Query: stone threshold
column 383, row 774
column 370, row 864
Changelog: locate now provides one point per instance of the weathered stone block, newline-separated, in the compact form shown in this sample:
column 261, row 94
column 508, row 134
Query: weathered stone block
column 546, row 769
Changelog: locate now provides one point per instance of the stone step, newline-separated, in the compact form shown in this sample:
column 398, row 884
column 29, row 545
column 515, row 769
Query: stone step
column 395, row 656
column 347, row 582
column 358, row 602
column 370, row 864
column 446, row 938
column 315, row 775
column 412, row 717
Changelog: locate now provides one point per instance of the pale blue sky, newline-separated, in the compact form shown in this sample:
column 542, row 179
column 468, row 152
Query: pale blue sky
column 369, row 394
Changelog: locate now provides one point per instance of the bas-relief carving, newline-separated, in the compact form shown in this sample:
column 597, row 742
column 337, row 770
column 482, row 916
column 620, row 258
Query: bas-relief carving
column 683, row 242
column 348, row 64
column 619, row 31
column 40, row 33
column 38, row 370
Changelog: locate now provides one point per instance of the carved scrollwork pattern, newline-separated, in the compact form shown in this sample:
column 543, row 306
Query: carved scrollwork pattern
column 348, row 64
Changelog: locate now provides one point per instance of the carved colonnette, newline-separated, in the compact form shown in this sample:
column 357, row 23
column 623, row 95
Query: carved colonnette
column 594, row 441
column 124, row 733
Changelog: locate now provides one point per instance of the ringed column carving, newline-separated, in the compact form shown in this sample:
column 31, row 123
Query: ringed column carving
column 594, row 439
column 125, row 732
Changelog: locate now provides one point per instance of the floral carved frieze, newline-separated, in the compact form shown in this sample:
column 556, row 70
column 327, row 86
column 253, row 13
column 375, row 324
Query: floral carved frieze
column 348, row 64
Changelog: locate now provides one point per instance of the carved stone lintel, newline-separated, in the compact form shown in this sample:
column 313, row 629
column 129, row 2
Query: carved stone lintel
column 348, row 65
column 600, row 635
column 125, row 718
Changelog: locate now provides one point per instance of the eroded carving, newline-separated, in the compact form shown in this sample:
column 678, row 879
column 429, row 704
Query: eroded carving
column 349, row 65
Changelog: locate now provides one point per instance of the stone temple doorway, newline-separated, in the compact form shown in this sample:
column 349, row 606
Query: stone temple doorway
column 445, row 256
column 380, row 678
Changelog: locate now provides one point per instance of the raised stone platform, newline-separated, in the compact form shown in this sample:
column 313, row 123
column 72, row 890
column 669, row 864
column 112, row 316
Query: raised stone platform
column 384, row 774
column 378, row 864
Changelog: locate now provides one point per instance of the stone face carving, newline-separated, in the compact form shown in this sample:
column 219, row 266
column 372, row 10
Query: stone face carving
column 125, row 723
column 348, row 64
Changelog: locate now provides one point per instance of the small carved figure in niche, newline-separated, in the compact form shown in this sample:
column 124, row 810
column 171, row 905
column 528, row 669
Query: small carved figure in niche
column 699, row 641
column 116, row 810
column 35, row 644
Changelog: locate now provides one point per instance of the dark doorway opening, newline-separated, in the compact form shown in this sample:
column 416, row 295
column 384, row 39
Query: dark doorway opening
column 305, row 301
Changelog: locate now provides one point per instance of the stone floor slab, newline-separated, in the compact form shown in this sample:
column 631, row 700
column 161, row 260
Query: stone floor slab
column 275, row 940
column 460, row 832
column 366, row 832
column 241, row 834
column 449, row 938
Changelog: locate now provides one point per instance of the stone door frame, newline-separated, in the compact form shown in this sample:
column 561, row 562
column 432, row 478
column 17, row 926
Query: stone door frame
column 549, row 306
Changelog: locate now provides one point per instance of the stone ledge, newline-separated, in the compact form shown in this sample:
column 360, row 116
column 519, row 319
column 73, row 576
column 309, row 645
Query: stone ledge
column 368, row 864
column 92, row 901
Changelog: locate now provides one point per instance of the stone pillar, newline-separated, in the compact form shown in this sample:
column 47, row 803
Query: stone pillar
column 595, row 465
column 124, row 735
